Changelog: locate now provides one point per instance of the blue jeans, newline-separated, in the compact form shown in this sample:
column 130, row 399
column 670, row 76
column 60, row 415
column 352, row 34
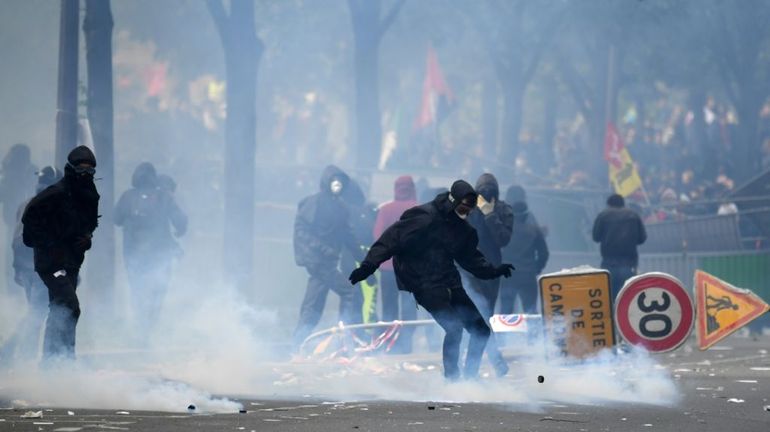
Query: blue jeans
column 619, row 274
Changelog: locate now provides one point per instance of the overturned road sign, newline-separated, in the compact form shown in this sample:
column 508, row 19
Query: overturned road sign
column 722, row 308
column 577, row 311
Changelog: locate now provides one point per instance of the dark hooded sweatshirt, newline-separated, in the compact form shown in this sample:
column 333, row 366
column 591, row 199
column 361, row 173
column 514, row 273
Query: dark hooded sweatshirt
column 61, row 214
column 322, row 225
column 494, row 230
column 146, row 214
column 527, row 250
column 426, row 242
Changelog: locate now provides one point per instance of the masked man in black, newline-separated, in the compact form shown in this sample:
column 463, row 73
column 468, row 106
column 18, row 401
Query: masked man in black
column 424, row 245
column 321, row 229
column 58, row 225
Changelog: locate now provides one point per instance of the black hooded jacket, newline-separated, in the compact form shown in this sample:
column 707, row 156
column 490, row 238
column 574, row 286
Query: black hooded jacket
column 619, row 230
column 527, row 250
column 494, row 230
column 147, row 213
column 426, row 242
column 58, row 219
column 322, row 225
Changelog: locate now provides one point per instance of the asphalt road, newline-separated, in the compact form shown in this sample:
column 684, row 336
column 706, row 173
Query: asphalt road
column 722, row 389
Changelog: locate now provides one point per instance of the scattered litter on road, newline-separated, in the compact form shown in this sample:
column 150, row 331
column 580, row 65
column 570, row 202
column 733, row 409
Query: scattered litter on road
column 33, row 414
column 242, row 411
column 767, row 408
column 191, row 407
column 71, row 413
column 414, row 423
column 549, row 418
column 747, row 381
column 760, row 368
column 42, row 423
column 123, row 413
column 736, row 400
column 647, row 425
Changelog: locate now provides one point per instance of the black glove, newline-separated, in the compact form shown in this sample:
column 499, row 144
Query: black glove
column 505, row 270
column 362, row 272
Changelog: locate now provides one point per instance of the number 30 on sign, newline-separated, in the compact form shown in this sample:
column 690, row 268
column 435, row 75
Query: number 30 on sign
column 654, row 311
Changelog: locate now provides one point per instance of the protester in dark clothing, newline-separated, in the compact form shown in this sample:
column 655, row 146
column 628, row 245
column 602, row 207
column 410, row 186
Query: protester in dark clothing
column 17, row 182
column 58, row 224
column 493, row 221
column 24, row 343
column 528, row 252
column 619, row 230
column 147, row 213
column 514, row 194
column 321, row 229
column 424, row 245
column 405, row 197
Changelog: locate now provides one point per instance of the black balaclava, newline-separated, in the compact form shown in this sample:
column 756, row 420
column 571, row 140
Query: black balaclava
column 82, row 185
column 460, row 190
column 77, row 156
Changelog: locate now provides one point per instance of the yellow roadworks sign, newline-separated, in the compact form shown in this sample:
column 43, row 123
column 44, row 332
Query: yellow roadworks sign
column 722, row 308
column 577, row 311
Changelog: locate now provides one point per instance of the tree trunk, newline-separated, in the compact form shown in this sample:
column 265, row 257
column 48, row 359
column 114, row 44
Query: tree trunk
column 240, row 157
column 97, row 27
column 242, row 49
column 489, row 115
column 513, row 96
column 746, row 144
column 368, row 127
column 550, row 113
column 366, row 32
column 67, row 97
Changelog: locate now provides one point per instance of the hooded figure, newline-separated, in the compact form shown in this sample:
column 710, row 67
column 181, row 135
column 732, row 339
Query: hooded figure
column 425, row 244
column 24, row 343
column 147, row 214
column 404, row 198
column 619, row 230
column 493, row 221
column 58, row 224
column 528, row 252
column 322, row 228
column 17, row 182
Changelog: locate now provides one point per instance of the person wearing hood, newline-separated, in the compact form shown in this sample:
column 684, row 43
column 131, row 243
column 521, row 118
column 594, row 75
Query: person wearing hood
column 493, row 221
column 322, row 228
column 619, row 230
column 528, row 252
column 147, row 213
column 25, row 341
column 58, row 224
column 425, row 244
column 404, row 198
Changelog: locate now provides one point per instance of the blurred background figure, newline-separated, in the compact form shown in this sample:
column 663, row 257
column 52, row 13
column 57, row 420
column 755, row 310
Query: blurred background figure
column 493, row 220
column 17, row 185
column 322, row 228
column 396, row 305
column 147, row 213
column 619, row 230
column 528, row 252
column 25, row 342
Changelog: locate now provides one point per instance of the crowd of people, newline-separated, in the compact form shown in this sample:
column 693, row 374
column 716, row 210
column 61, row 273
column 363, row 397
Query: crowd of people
column 51, row 231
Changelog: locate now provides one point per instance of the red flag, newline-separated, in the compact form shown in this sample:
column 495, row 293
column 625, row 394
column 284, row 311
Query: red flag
column 613, row 147
column 437, row 97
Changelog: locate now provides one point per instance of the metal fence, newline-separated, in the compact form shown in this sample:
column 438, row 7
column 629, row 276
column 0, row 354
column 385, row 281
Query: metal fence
column 744, row 269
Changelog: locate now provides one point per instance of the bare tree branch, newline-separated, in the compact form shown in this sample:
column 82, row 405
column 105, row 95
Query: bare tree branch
column 391, row 16
column 218, row 14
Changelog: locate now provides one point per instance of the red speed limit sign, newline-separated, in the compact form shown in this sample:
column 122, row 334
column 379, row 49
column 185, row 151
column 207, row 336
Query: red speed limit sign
column 654, row 311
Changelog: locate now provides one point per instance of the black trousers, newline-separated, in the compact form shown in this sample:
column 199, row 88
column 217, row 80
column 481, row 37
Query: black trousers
column 323, row 279
column 523, row 284
column 397, row 305
column 454, row 311
column 484, row 293
column 63, row 314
